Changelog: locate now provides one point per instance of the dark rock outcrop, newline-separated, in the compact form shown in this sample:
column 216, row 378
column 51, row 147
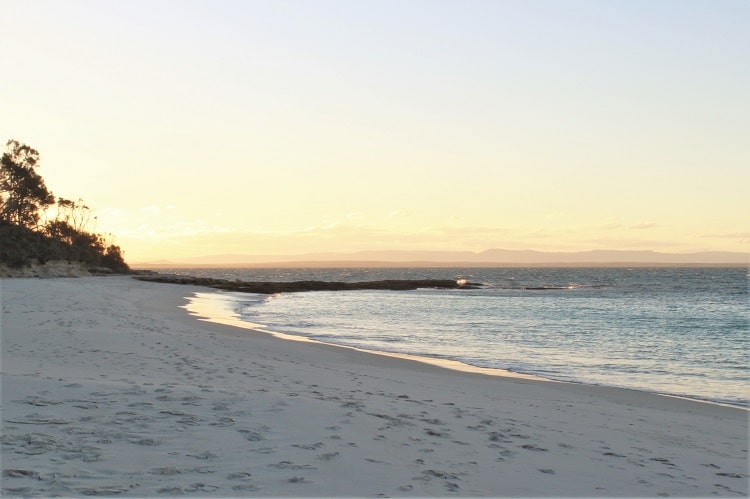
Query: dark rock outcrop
column 266, row 287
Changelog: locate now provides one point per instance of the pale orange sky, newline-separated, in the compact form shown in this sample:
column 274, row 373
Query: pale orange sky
column 286, row 127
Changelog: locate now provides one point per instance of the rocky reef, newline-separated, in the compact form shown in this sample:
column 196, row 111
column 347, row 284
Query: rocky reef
column 266, row 287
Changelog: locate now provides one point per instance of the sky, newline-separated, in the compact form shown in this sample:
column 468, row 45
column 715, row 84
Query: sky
column 278, row 127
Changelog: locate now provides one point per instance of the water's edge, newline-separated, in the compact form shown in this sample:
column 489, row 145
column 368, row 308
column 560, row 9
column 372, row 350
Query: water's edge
column 212, row 307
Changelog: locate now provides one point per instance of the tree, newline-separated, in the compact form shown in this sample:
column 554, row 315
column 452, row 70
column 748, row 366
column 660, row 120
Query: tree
column 24, row 198
column 71, row 219
column 114, row 259
column 76, row 214
column 23, row 194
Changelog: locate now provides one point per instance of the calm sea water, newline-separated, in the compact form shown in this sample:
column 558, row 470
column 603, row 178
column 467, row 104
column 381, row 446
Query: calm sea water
column 678, row 331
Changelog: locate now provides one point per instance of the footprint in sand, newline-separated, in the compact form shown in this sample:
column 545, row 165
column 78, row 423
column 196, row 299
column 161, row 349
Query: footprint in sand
column 534, row 448
column 166, row 471
column 204, row 455
column 245, row 487
column 315, row 446
column 21, row 474
column 298, row 479
column 240, row 475
column 252, row 435
column 223, row 421
column 328, row 456
column 149, row 442
column 289, row 465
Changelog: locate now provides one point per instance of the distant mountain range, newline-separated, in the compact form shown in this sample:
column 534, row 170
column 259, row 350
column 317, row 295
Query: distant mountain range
column 460, row 258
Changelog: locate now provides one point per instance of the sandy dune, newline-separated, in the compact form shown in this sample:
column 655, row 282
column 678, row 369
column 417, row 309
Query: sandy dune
column 109, row 388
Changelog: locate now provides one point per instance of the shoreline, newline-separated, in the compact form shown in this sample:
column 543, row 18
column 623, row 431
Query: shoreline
column 109, row 387
column 206, row 315
column 204, row 312
column 203, row 309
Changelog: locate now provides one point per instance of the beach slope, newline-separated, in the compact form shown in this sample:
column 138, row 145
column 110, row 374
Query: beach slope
column 110, row 388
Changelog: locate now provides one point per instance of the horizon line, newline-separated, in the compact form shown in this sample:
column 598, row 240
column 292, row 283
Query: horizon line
column 448, row 258
column 434, row 264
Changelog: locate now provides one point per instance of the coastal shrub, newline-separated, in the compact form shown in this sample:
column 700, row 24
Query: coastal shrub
column 23, row 240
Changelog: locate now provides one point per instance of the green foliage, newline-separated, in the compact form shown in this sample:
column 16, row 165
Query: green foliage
column 23, row 197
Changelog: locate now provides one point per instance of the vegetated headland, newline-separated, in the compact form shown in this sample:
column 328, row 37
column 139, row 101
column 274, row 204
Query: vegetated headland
column 37, row 229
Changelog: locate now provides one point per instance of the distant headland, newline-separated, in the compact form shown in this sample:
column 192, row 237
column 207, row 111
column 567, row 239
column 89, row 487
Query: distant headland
column 488, row 258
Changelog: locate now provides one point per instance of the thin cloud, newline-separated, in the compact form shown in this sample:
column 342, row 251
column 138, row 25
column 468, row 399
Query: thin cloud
column 397, row 213
column 741, row 237
column 612, row 224
column 157, row 209
column 643, row 225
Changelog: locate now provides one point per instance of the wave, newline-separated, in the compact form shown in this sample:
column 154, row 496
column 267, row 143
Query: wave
column 647, row 329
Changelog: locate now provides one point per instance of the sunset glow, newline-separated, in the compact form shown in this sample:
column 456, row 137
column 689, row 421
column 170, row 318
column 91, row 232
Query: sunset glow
column 288, row 127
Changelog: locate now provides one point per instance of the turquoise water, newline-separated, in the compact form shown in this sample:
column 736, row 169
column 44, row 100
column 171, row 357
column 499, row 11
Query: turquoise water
column 677, row 331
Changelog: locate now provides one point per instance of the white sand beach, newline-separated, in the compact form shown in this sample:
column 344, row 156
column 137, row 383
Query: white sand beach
column 110, row 388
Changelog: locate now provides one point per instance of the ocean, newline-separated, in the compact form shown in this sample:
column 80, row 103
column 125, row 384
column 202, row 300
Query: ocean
column 675, row 331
